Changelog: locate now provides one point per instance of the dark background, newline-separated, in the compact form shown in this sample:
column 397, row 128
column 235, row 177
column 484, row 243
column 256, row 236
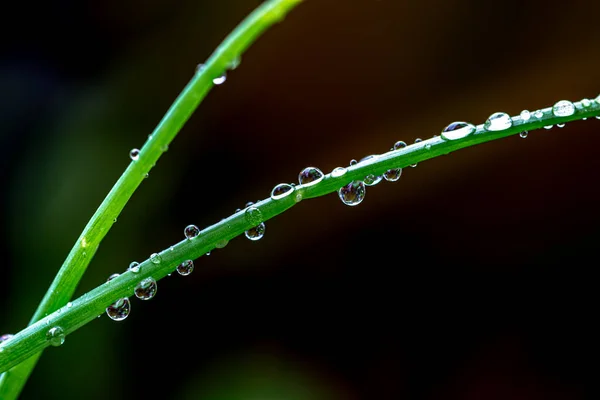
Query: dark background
column 469, row 278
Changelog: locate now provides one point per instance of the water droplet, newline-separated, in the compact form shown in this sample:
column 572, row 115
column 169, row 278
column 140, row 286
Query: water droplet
column 539, row 114
column 371, row 180
column 525, row 115
column 155, row 258
column 498, row 121
column 146, row 289
column 282, row 190
column 185, row 268
column 69, row 305
column 417, row 140
column 220, row 79
column 392, row 175
column 586, row 102
column 597, row 116
column 134, row 267
column 523, row 134
column 399, row 145
column 119, row 310
column 253, row 215
column 548, row 126
column 56, row 336
column 457, row 130
column 208, row 254
column 221, row 243
column 257, row 232
column 113, row 276
column 560, row 125
column 234, row 63
column 310, row 176
column 134, row 154
column 5, row 337
column 563, row 108
column 338, row 171
column 353, row 193
column 191, row 231
column 353, row 162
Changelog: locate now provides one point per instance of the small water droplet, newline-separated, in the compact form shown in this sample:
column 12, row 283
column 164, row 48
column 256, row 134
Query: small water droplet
column 185, row 268
column 114, row 220
column 191, row 231
column 548, row 126
column 69, row 305
column 56, row 336
column 113, row 276
column 234, row 63
column 257, row 232
column 134, row 267
column 146, row 289
column 310, row 176
column 134, row 154
column 538, row 114
column 457, row 130
column 119, row 310
column 597, row 116
column 155, row 258
column 392, row 175
column 498, row 121
column 399, row 145
column 221, row 243
column 5, row 337
column 586, row 102
column 253, row 215
column 371, row 180
column 563, row 108
column 220, row 79
column 560, row 125
column 523, row 134
column 338, row 171
column 525, row 115
column 282, row 190
column 208, row 253
column 353, row 193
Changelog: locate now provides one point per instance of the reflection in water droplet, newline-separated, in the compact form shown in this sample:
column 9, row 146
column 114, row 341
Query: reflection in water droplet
column 253, row 215
column 563, row 108
column 392, row 175
column 134, row 267
column 523, row 134
column 282, row 190
column 353, row 193
column 191, row 231
column 498, row 121
column 257, row 232
column 525, row 115
column 134, row 154
column 56, row 336
column 155, row 258
column 119, row 310
column 457, row 130
column 185, row 268
column 310, row 176
column 146, row 289
column 338, row 171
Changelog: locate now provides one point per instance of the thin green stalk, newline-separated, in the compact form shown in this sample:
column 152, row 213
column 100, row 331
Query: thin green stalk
column 65, row 283
column 87, row 308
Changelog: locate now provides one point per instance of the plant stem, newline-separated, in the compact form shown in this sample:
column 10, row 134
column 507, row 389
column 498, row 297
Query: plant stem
column 74, row 266
column 92, row 304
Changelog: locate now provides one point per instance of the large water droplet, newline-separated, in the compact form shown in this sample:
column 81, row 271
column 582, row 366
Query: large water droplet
column 191, row 231
column 399, row 145
column 525, row 115
column 134, row 154
column 310, row 176
column 253, row 215
column 155, row 258
column 498, row 121
column 257, row 232
column 392, row 175
column 338, row 171
column 282, row 190
column 56, row 336
column 119, row 310
column 353, row 193
column 134, row 267
column 563, row 108
column 146, row 289
column 185, row 268
column 457, row 130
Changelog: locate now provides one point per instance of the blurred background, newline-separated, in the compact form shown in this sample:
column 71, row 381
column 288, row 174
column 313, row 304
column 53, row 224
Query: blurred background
column 469, row 278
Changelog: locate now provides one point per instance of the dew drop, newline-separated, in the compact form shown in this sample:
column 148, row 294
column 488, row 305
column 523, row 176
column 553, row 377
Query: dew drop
column 399, row 145
column 525, row 115
column 191, row 231
column 548, row 126
column 113, row 276
column 257, row 232
column 523, row 134
column 5, row 337
column 392, row 175
column 353, row 162
column 498, row 121
column 539, row 114
column 310, row 176
column 185, row 268
column 134, row 267
column 282, row 190
column 560, row 125
column 353, row 193
column 69, row 305
column 234, row 63
column 371, row 179
column 586, row 102
column 119, row 310
column 457, row 130
column 563, row 108
column 134, row 154
column 338, row 171
column 146, row 289
column 220, row 79
column 253, row 215
column 155, row 258
column 221, row 243
column 56, row 336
